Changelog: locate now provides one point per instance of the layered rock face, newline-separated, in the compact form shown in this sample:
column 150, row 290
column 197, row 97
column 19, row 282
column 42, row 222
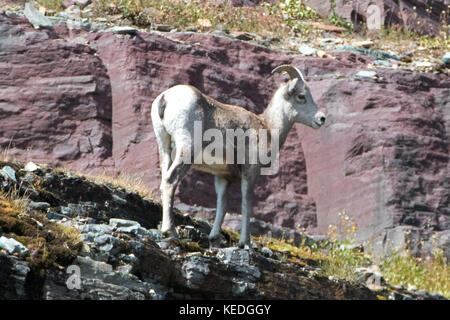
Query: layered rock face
column 83, row 100
column 55, row 98
column 387, row 142
column 421, row 16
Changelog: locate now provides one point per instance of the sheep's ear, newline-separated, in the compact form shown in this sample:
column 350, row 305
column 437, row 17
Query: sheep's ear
column 291, row 87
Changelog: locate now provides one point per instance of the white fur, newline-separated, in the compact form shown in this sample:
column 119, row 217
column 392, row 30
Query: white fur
column 175, row 129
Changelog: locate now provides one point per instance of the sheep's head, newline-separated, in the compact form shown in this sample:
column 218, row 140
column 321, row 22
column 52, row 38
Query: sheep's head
column 298, row 96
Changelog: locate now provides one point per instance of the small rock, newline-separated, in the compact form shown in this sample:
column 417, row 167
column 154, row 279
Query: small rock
column 191, row 29
column 364, row 44
column 85, row 250
column 124, row 270
column 75, row 209
column 381, row 63
column 422, row 293
column 380, row 55
column 423, row 64
column 62, row 15
column 155, row 235
column 13, row 246
column 446, row 59
column 273, row 40
column 92, row 265
column 266, row 251
column 29, row 178
column 412, row 288
column 130, row 258
column 96, row 228
column 133, row 230
column 78, row 25
column 38, row 205
column 36, row 18
column 31, row 167
column 321, row 54
column 307, row 51
column 406, row 57
column 8, row 173
column 123, row 30
column 364, row 74
column 107, row 243
column 55, row 216
column 245, row 36
column 68, row 3
column 83, row 3
column 73, row 12
column 327, row 27
column 115, row 222
column 163, row 28
column 194, row 271
column 119, row 200
column 330, row 41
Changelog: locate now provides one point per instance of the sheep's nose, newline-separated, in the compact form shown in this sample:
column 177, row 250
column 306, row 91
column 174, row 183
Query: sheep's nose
column 320, row 117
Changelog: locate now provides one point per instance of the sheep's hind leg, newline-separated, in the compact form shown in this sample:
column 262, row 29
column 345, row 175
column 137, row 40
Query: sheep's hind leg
column 221, row 186
column 169, row 183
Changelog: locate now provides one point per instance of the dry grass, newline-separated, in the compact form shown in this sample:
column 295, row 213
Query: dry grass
column 277, row 19
column 122, row 180
column 407, row 41
column 5, row 153
column 201, row 14
column 282, row 19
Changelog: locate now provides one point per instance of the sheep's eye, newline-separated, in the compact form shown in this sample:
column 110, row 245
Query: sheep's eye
column 301, row 98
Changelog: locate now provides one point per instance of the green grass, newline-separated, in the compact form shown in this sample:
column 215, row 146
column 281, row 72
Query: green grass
column 335, row 258
column 432, row 274
column 338, row 258
column 49, row 243
column 341, row 261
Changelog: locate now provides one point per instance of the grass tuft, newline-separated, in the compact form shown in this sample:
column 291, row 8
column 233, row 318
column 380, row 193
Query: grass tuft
column 49, row 243
column 431, row 274
column 122, row 180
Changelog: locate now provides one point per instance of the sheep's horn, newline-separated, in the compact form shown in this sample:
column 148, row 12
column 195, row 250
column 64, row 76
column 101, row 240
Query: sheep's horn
column 293, row 72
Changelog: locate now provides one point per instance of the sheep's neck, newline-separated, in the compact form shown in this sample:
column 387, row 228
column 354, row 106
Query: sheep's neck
column 278, row 116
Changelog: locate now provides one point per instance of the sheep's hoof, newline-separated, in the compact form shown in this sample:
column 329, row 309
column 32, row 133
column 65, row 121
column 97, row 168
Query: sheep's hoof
column 244, row 245
column 171, row 233
column 215, row 241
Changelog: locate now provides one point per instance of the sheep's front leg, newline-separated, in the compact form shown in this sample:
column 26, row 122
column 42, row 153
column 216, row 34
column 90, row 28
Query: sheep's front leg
column 246, row 209
column 221, row 186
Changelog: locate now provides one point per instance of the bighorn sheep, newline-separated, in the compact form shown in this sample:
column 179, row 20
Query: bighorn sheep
column 174, row 114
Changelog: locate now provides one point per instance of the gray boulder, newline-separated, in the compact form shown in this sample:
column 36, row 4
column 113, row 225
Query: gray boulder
column 12, row 246
column 37, row 19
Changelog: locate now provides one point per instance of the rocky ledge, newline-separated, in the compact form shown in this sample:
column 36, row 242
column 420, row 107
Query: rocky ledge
column 120, row 254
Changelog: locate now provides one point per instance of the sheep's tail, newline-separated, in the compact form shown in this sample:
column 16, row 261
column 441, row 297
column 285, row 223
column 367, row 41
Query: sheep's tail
column 159, row 105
